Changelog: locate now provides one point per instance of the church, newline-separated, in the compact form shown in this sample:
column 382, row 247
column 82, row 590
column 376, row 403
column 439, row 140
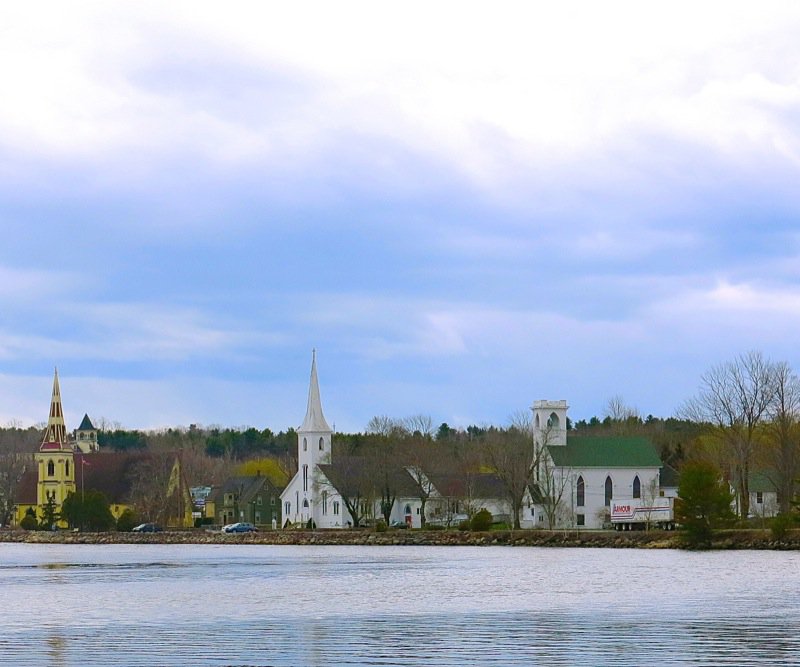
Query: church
column 64, row 466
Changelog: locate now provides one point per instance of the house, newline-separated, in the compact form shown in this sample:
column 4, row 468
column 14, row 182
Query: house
column 764, row 500
column 254, row 499
column 454, row 498
column 578, row 477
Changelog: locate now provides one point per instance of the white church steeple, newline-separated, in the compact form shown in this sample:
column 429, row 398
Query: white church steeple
column 315, row 420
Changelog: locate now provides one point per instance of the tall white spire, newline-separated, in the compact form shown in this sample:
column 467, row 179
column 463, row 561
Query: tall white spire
column 56, row 429
column 315, row 420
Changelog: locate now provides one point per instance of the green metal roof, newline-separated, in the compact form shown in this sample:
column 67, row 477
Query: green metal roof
column 605, row 452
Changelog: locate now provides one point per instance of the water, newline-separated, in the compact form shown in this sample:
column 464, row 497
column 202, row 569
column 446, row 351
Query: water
column 277, row 605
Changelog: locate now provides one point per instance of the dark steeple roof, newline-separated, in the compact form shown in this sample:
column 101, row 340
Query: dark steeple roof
column 86, row 424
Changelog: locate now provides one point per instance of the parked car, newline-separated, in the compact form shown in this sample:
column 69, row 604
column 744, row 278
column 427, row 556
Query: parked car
column 147, row 528
column 398, row 524
column 241, row 527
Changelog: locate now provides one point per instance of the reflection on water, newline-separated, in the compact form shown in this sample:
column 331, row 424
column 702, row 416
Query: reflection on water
column 266, row 605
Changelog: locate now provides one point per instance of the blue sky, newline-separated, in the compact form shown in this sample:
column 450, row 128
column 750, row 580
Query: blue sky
column 462, row 209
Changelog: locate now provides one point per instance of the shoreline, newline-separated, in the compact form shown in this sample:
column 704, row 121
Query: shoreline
column 723, row 540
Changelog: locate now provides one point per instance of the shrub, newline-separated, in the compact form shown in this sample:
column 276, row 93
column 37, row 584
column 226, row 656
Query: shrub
column 127, row 521
column 780, row 525
column 481, row 520
column 464, row 525
column 29, row 522
column 380, row 526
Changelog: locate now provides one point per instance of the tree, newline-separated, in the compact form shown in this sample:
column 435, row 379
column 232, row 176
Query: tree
column 734, row 399
column 88, row 510
column 782, row 446
column 421, row 455
column 511, row 455
column 50, row 515
column 704, row 502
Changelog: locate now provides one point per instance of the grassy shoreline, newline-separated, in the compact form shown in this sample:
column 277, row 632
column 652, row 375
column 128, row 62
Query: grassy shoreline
column 724, row 539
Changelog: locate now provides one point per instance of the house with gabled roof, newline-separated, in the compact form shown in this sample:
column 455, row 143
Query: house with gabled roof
column 251, row 498
column 579, row 477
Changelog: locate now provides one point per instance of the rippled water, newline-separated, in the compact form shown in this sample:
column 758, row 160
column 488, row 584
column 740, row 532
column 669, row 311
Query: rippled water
column 273, row 605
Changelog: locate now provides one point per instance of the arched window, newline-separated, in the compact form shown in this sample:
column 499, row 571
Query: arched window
column 580, row 493
column 305, row 503
column 609, row 490
column 553, row 421
column 408, row 510
column 536, row 421
column 287, row 508
column 637, row 487
column 305, row 478
column 51, row 468
column 66, row 468
column 305, row 445
column 321, row 445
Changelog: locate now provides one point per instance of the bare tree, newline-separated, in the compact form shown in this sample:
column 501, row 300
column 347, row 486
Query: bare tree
column 422, row 456
column 735, row 398
column 552, row 481
column 16, row 448
column 782, row 447
column 511, row 455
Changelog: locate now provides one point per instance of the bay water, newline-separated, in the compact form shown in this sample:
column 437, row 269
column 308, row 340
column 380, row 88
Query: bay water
column 259, row 605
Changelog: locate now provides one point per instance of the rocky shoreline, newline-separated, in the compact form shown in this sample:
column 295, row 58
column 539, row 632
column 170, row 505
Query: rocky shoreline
column 728, row 539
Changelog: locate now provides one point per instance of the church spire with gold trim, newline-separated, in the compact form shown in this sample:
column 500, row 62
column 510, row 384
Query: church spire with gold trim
column 55, row 437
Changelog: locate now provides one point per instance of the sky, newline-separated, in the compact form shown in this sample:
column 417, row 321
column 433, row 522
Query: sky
column 462, row 207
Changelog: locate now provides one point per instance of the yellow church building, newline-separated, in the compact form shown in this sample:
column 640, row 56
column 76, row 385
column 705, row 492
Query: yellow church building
column 63, row 466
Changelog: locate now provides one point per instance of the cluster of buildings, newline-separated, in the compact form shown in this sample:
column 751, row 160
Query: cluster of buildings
column 581, row 482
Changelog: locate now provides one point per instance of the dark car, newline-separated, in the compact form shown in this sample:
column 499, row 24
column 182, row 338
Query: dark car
column 241, row 527
column 147, row 528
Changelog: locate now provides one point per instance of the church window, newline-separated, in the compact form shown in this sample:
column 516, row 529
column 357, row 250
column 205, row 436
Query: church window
column 609, row 491
column 637, row 487
column 580, row 519
column 305, row 445
column 324, row 502
column 580, row 493
column 66, row 468
column 321, row 445
column 305, row 478
column 51, row 468
column 408, row 510
column 336, row 507
column 287, row 508
column 305, row 503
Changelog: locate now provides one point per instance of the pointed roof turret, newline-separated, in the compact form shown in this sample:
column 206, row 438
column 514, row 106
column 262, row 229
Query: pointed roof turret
column 86, row 423
column 315, row 420
column 55, row 437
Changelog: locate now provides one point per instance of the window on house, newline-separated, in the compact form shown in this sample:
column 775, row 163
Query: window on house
column 51, row 468
column 759, row 497
column 287, row 508
column 305, row 477
column 580, row 492
column 272, row 500
column 580, row 519
column 637, row 487
column 336, row 507
column 609, row 491
column 324, row 502
column 259, row 501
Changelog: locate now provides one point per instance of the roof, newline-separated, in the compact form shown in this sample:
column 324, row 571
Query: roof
column 25, row 493
column 481, row 485
column 759, row 480
column 86, row 424
column 246, row 487
column 112, row 473
column 352, row 475
column 314, row 421
column 605, row 452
